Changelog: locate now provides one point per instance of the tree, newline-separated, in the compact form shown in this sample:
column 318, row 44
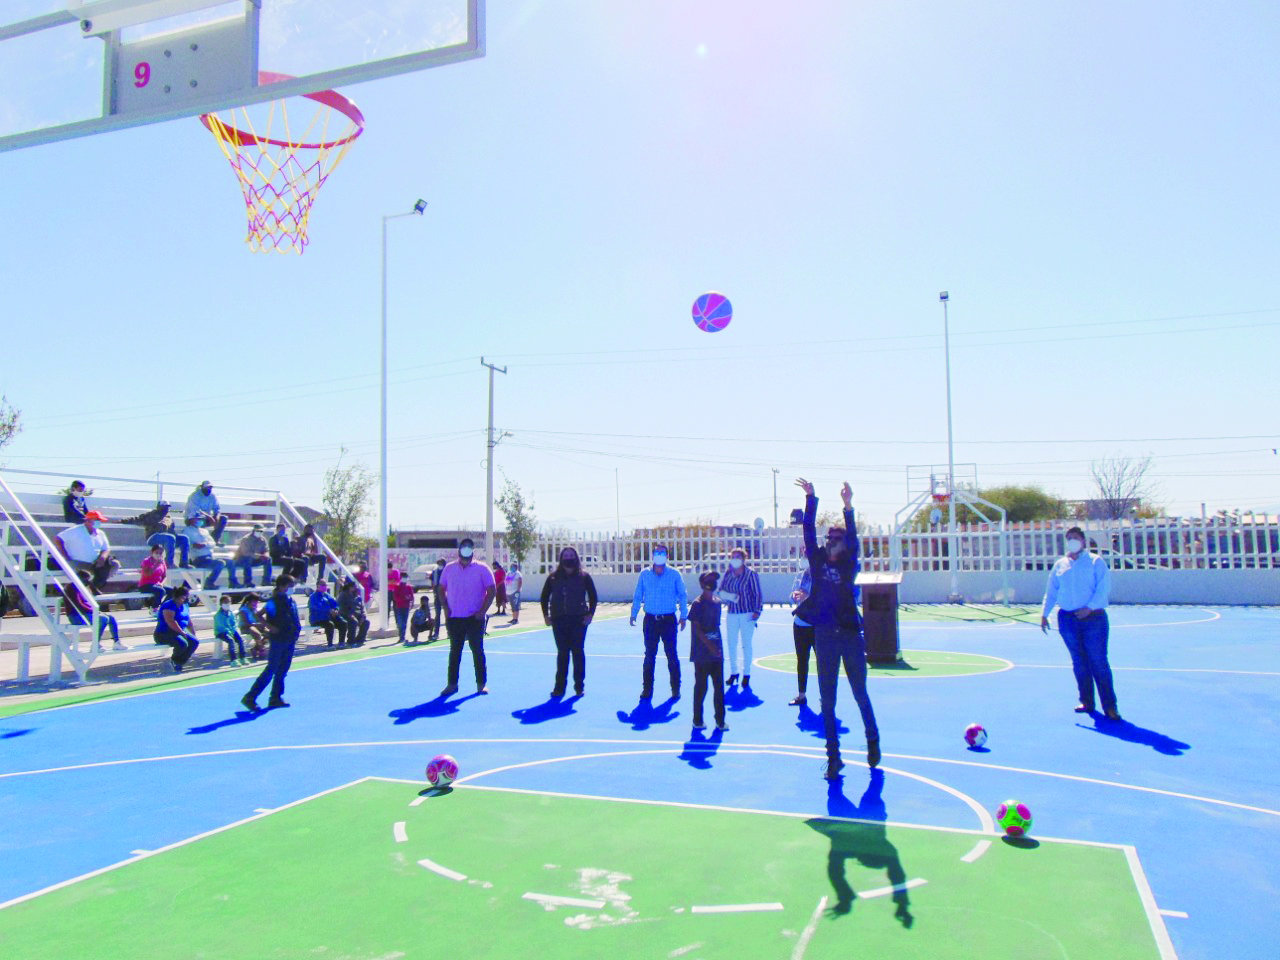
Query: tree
column 1121, row 484
column 10, row 421
column 522, row 525
column 348, row 495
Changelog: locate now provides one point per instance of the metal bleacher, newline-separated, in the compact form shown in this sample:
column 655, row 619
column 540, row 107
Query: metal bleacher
column 32, row 568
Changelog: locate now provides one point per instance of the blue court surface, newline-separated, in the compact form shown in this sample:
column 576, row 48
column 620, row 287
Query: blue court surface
column 1185, row 789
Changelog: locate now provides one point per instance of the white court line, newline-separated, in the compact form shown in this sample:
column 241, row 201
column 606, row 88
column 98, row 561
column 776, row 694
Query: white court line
column 737, row 908
column 140, row 853
column 979, row 849
column 261, row 810
column 554, row 901
column 443, row 871
column 1174, row 913
column 173, row 846
column 417, row 801
column 797, row 953
column 1158, row 929
column 397, row 831
column 896, row 888
column 1243, row 673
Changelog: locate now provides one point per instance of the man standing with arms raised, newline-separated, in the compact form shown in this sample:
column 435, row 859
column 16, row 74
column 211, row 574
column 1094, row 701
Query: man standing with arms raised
column 468, row 589
column 662, row 593
column 837, row 625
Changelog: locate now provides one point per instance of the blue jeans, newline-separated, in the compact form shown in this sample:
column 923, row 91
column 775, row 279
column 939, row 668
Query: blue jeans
column 246, row 565
column 660, row 628
column 279, row 659
column 402, row 619
column 169, row 541
column 105, row 622
column 834, row 645
column 232, row 640
column 183, row 646
column 215, row 566
column 1086, row 641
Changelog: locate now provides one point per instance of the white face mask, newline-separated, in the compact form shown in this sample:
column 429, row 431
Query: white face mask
column 735, row 562
column 288, row 591
column 465, row 552
column 1074, row 545
column 659, row 559
column 226, row 608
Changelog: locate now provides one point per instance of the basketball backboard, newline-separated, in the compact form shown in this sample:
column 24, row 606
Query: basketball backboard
column 70, row 68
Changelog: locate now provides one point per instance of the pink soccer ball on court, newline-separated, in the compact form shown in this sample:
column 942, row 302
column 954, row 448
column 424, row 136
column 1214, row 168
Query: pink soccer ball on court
column 975, row 735
column 442, row 771
column 1014, row 817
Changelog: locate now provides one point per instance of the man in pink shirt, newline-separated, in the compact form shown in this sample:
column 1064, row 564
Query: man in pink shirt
column 468, row 589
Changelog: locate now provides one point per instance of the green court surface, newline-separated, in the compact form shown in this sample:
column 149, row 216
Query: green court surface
column 914, row 663
column 359, row 872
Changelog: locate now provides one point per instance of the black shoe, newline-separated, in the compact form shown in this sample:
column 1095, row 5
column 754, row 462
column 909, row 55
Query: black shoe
column 731, row 681
column 873, row 753
column 250, row 704
column 646, row 694
column 275, row 702
column 557, row 694
column 799, row 700
column 746, row 682
column 675, row 693
column 579, row 691
column 832, row 769
column 449, row 691
column 1112, row 714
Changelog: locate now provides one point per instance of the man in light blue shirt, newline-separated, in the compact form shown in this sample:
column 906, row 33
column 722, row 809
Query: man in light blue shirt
column 662, row 593
column 202, row 503
column 1080, row 587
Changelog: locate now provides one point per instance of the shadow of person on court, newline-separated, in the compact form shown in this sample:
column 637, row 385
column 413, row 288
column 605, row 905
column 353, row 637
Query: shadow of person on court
column 242, row 716
column 646, row 714
column 736, row 699
column 10, row 734
column 554, row 708
column 1124, row 730
column 439, row 707
column 864, row 841
column 700, row 748
column 809, row 722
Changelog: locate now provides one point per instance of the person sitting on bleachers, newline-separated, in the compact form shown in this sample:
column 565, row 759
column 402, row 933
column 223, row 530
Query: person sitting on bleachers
column 224, row 628
column 173, row 628
column 351, row 606
column 252, row 552
column 80, row 614
column 160, row 530
column 280, row 547
column 151, row 579
column 322, row 611
column 202, row 503
column 250, row 624
column 73, row 505
column 202, row 551
column 88, row 551
column 306, row 551
column 421, row 621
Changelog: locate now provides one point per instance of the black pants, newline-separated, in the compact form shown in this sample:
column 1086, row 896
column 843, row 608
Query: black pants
column 711, row 671
column 836, row 645
column 571, row 638
column 335, row 622
column 435, row 630
column 302, row 564
column 357, row 630
column 803, row 637
column 279, row 659
column 660, row 628
column 466, row 630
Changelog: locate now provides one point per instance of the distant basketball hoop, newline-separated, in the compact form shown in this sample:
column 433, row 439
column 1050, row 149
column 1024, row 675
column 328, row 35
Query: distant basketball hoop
column 280, row 176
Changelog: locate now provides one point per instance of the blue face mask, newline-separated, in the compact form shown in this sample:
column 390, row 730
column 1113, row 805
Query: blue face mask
column 659, row 559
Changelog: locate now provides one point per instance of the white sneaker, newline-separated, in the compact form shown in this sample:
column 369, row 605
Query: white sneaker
column 118, row 646
column 722, row 727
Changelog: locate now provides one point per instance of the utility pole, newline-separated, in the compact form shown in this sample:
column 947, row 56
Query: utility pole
column 617, row 495
column 775, row 498
column 953, row 558
column 491, row 443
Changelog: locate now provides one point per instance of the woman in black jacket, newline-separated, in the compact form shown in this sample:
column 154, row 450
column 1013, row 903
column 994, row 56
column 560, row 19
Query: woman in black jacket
column 568, row 604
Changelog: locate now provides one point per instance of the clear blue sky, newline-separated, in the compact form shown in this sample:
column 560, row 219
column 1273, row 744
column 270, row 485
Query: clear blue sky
column 1095, row 184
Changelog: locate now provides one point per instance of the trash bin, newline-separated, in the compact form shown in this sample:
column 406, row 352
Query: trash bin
column 880, row 615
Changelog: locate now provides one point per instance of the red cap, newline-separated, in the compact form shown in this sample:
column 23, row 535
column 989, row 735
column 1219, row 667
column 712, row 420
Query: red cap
column 95, row 515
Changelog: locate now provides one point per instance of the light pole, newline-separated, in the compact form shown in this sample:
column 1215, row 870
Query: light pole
column 418, row 209
column 952, row 558
column 491, row 443
column 775, row 498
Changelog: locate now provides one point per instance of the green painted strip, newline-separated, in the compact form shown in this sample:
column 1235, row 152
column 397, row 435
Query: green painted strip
column 914, row 664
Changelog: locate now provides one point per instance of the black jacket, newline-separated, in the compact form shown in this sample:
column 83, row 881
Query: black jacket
column 568, row 596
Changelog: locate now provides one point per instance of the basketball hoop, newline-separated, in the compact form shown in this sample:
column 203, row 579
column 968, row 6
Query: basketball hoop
column 281, row 175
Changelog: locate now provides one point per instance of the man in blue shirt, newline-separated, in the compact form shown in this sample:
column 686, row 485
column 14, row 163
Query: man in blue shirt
column 801, row 630
column 837, row 624
column 280, row 615
column 1080, row 587
column 662, row 593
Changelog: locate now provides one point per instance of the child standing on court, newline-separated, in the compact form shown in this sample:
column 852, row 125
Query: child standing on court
column 706, row 652
column 224, row 628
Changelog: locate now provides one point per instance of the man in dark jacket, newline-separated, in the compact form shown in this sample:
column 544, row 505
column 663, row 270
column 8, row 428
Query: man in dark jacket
column 280, row 617
column 832, row 608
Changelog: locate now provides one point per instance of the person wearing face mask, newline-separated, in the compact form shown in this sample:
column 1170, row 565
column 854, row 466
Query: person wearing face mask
column 201, row 554
column 1080, row 587
column 283, row 626
column 515, row 583
column 468, row 590
column 740, row 591
column 568, row 604
column 832, row 608
column 662, row 593
column 202, row 503
column 224, row 629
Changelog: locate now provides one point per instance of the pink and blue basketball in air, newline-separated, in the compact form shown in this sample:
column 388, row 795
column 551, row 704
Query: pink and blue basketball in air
column 712, row 312
column 442, row 771
column 1014, row 817
column 975, row 735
